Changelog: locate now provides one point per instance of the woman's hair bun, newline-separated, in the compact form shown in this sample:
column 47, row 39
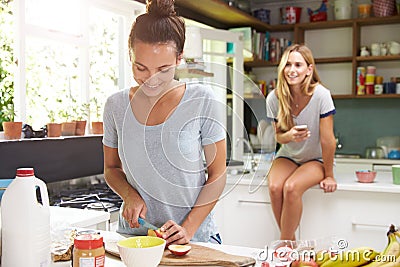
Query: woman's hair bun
column 161, row 8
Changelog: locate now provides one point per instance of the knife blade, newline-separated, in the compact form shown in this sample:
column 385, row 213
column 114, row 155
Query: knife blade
column 146, row 224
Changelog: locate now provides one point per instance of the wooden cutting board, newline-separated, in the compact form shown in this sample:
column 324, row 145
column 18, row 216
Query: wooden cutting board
column 200, row 256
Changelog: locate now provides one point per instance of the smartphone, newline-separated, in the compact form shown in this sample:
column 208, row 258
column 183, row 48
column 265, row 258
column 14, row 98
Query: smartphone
column 300, row 127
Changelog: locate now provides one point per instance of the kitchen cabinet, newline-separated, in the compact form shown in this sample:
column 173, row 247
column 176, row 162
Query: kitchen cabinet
column 245, row 217
column 334, row 59
column 359, row 218
column 342, row 168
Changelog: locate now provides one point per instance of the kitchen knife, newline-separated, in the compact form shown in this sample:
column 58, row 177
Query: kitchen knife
column 146, row 224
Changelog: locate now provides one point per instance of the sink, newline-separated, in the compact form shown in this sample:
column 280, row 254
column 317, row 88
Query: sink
column 347, row 156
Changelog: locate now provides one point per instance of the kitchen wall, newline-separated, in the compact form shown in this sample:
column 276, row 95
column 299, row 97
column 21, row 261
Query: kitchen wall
column 361, row 121
column 358, row 122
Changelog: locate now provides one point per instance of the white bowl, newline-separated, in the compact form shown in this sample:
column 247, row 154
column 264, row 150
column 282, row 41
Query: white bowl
column 141, row 251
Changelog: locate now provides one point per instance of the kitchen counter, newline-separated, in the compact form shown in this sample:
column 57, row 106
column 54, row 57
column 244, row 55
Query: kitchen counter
column 113, row 261
column 346, row 181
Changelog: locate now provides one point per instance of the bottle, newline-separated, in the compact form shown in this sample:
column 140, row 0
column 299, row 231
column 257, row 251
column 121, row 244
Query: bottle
column 25, row 222
column 88, row 251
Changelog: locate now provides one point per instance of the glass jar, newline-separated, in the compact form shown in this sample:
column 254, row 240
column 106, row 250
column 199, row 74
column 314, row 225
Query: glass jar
column 88, row 251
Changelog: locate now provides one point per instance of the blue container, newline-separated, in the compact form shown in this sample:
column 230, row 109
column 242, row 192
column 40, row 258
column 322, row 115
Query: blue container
column 262, row 14
column 3, row 185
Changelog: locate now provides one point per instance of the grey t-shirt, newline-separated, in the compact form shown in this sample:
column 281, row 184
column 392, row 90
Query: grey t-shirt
column 164, row 163
column 320, row 106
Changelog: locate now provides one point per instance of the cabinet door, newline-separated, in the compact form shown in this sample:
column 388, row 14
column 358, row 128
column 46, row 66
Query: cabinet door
column 245, row 218
column 357, row 218
column 350, row 167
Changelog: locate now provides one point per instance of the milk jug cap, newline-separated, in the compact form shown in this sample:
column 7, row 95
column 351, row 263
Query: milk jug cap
column 23, row 172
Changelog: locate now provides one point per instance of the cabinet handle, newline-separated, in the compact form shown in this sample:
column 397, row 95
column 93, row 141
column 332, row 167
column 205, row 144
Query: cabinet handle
column 354, row 223
column 253, row 201
column 381, row 167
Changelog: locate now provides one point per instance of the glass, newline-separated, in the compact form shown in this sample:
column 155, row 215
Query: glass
column 53, row 81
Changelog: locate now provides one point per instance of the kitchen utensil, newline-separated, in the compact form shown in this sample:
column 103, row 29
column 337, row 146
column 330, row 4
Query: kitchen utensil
column 396, row 174
column 366, row 176
column 146, row 224
column 374, row 153
column 141, row 251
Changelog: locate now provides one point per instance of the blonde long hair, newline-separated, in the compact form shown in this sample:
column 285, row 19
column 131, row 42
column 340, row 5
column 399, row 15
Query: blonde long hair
column 285, row 119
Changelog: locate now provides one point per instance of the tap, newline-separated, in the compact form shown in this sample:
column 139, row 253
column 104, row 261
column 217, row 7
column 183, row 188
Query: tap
column 339, row 144
column 250, row 148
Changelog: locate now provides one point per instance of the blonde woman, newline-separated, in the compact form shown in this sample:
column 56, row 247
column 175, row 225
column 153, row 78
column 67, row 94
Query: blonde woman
column 302, row 112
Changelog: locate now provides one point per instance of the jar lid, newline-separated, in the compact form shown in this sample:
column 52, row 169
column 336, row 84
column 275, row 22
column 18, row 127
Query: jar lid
column 88, row 241
column 23, row 172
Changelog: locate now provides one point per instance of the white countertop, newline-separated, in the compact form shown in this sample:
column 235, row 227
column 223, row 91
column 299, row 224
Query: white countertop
column 346, row 182
column 113, row 261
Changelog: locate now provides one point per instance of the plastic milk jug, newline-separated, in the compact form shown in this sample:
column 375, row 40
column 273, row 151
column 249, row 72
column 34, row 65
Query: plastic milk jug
column 25, row 219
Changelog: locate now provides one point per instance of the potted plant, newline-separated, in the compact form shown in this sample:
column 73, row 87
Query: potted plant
column 53, row 128
column 12, row 129
column 97, row 125
column 67, row 126
column 81, row 113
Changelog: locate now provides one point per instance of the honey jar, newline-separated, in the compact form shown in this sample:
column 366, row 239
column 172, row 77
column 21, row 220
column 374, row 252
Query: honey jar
column 88, row 251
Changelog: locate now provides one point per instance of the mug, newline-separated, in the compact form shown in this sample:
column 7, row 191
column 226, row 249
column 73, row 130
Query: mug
column 396, row 174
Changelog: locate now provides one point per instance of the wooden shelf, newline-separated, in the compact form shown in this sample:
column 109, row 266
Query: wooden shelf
column 378, row 96
column 260, row 63
column 218, row 12
column 334, row 60
column 223, row 13
column 378, row 20
column 378, row 58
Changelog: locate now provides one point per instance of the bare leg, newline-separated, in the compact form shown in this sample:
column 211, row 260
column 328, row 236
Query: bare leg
column 304, row 177
column 280, row 171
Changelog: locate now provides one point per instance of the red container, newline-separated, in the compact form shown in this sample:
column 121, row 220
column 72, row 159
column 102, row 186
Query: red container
column 293, row 14
column 384, row 8
column 369, row 88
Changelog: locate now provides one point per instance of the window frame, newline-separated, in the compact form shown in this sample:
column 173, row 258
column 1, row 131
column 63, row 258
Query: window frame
column 127, row 9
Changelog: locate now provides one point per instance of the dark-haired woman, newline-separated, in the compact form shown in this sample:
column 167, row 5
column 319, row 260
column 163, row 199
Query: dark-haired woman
column 155, row 136
column 302, row 112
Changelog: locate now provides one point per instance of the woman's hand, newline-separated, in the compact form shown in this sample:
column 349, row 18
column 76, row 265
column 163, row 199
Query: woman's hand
column 299, row 135
column 175, row 234
column 328, row 184
column 134, row 207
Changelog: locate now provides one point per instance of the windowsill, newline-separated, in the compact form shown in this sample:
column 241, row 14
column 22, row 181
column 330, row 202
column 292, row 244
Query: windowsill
column 47, row 138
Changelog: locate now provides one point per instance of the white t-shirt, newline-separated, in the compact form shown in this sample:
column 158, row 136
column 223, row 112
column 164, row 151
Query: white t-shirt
column 320, row 106
column 164, row 163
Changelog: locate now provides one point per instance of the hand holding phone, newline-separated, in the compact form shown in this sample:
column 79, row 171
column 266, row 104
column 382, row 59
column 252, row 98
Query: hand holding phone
column 300, row 127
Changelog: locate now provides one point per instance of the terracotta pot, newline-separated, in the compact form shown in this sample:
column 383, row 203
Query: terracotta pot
column 12, row 130
column 53, row 129
column 80, row 127
column 68, row 128
column 97, row 127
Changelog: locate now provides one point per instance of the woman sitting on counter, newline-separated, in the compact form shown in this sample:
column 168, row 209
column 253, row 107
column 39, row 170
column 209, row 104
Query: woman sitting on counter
column 155, row 134
column 302, row 111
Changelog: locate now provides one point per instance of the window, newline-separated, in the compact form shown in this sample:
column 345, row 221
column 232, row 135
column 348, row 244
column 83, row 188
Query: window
column 72, row 55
